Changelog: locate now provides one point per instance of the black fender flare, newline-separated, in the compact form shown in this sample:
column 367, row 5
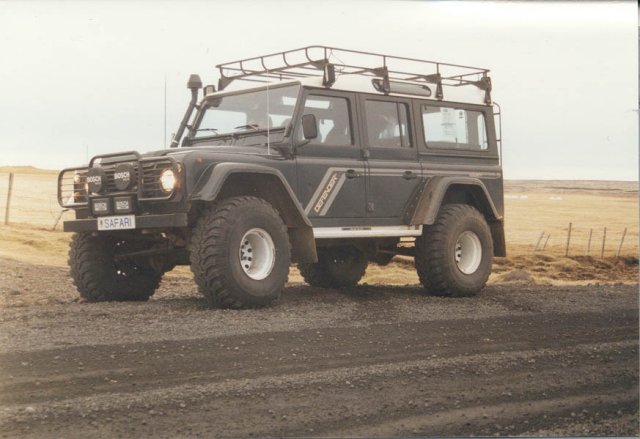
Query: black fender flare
column 212, row 183
column 213, row 179
column 432, row 197
column 433, row 194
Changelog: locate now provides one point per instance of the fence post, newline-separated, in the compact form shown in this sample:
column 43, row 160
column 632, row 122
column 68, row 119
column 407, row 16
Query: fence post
column 6, row 212
column 538, row 243
column 589, row 242
column 62, row 211
column 621, row 241
column 545, row 242
column 604, row 238
column 566, row 252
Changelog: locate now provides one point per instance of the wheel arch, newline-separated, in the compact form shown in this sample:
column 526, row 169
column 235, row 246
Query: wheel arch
column 440, row 191
column 226, row 180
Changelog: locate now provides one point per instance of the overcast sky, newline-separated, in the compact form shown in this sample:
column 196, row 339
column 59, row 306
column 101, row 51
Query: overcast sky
column 90, row 75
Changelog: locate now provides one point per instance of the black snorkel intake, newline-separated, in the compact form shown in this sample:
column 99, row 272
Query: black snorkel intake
column 194, row 84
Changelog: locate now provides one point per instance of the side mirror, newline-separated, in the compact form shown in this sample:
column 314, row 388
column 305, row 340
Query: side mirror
column 309, row 126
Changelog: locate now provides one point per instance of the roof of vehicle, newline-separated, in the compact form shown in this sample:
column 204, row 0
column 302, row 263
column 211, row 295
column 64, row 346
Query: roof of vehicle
column 349, row 70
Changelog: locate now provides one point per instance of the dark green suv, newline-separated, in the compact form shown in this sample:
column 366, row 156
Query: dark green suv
column 325, row 157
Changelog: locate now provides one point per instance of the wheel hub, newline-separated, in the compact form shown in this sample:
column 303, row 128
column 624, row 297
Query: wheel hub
column 257, row 254
column 468, row 252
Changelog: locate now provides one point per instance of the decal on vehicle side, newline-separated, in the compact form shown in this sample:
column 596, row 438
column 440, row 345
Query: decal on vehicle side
column 329, row 193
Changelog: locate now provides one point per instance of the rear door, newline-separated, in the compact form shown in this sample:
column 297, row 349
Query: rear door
column 394, row 171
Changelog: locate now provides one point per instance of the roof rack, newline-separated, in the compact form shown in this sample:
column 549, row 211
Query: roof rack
column 327, row 62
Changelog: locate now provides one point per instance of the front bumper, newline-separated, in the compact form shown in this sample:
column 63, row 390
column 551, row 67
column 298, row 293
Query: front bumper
column 142, row 222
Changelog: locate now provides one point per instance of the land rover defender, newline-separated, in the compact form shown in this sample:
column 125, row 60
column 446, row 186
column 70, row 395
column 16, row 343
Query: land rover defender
column 324, row 157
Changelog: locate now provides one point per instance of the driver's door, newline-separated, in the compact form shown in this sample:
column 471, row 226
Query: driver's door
column 330, row 168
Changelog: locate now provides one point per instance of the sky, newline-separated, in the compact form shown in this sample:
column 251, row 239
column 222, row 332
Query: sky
column 83, row 78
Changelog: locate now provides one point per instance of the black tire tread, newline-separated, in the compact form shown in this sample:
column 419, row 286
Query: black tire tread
column 209, row 259
column 431, row 260
column 89, row 263
column 315, row 275
column 320, row 274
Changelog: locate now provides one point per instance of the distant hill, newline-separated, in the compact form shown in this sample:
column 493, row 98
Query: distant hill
column 557, row 186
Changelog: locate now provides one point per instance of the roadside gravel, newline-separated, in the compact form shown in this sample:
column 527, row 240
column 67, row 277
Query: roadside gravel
column 374, row 360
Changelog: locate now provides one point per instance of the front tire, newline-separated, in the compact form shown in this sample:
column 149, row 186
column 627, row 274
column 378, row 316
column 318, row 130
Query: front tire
column 100, row 276
column 337, row 267
column 455, row 254
column 240, row 253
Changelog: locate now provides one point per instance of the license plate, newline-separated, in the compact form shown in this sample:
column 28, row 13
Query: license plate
column 121, row 222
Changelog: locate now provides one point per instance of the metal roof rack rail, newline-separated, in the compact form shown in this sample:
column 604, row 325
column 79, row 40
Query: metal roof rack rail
column 330, row 62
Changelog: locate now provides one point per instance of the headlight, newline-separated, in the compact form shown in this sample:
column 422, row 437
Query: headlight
column 167, row 180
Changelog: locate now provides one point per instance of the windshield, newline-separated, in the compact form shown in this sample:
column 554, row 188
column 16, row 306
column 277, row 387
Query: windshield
column 249, row 115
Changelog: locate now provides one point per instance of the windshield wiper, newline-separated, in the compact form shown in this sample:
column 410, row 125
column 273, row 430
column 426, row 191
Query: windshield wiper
column 251, row 126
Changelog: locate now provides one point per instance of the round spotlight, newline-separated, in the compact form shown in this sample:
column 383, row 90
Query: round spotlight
column 97, row 180
column 123, row 176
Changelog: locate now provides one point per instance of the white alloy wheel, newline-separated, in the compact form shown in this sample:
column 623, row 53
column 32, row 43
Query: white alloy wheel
column 257, row 254
column 468, row 252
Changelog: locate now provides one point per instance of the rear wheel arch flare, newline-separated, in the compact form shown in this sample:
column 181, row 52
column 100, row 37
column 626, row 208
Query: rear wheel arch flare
column 470, row 194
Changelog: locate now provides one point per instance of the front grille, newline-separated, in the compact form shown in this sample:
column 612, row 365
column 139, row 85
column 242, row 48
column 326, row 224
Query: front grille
column 72, row 182
column 147, row 178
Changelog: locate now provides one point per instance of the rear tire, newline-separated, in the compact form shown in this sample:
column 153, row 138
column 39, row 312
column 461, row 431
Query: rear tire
column 455, row 254
column 382, row 259
column 99, row 276
column 337, row 267
column 240, row 253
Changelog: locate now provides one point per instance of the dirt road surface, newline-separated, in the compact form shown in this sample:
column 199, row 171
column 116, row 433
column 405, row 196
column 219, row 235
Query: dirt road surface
column 370, row 361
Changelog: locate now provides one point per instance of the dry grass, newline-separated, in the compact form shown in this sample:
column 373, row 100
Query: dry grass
column 527, row 218
column 531, row 208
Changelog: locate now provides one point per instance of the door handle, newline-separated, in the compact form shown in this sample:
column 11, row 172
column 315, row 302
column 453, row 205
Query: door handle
column 409, row 175
column 352, row 174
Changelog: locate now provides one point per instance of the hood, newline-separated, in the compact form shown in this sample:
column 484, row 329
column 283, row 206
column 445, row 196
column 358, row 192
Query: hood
column 223, row 150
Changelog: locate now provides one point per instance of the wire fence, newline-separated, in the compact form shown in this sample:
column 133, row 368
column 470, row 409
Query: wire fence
column 31, row 198
column 575, row 240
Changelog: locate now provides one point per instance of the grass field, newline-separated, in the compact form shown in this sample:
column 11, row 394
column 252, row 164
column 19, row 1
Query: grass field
column 531, row 207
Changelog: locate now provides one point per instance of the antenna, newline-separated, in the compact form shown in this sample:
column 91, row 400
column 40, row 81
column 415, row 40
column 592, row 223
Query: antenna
column 268, row 122
column 164, row 144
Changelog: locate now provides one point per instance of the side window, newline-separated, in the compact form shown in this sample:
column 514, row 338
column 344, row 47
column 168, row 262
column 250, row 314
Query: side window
column 387, row 124
column 334, row 120
column 454, row 128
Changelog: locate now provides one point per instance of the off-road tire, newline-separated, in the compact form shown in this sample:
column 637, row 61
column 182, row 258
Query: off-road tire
column 382, row 259
column 435, row 258
column 337, row 267
column 99, row 277
column 214, row 252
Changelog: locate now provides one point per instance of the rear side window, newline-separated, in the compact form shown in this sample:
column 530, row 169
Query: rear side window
column 454, row 128
column 387, row 124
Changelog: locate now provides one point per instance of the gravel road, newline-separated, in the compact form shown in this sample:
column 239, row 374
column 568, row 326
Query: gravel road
column 370, row 361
